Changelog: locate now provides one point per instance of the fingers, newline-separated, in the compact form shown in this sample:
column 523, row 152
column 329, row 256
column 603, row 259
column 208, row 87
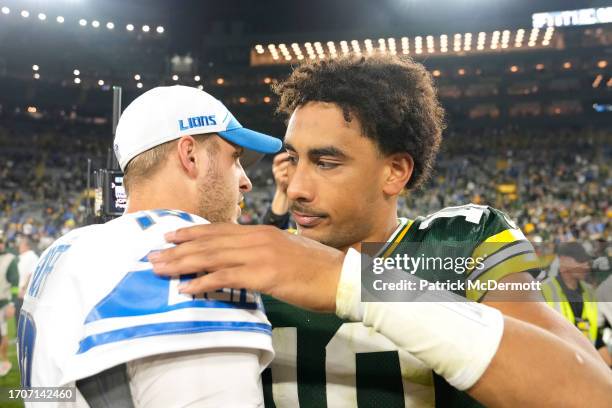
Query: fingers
column 280, row 158
column 202, row 246
column 204, row 231
column 281, row 170
column 226, row 278
column 202, row 261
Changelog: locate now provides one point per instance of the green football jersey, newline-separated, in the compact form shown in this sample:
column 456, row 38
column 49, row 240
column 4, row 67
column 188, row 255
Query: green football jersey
column 323, row 361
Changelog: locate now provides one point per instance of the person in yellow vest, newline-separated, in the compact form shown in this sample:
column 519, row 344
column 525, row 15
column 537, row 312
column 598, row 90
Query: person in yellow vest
column 570, row 294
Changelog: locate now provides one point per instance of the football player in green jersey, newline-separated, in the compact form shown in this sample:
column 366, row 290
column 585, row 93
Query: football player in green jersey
column 361, row 130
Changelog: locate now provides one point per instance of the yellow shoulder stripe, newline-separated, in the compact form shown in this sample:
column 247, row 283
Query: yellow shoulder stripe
column 519, row 263
column 398, row 239
column 495, row 242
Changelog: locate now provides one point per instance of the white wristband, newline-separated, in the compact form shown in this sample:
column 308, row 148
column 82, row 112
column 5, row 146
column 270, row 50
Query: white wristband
column 348, row 296
column 456, row 339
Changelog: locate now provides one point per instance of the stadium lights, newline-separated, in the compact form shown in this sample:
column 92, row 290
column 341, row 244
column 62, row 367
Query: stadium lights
column 175, row 77
column 82, row 22
column 539, row 67
column 129, row 27
column 25, row 13
column 32, row 109
column 196, row 78
column 436, row 73
column 242, row 99
column 146, row 28
column 201, row 87
column 60, row 19
column 76, row 72
column 110, row 25
column 101, row 82
column 460, row 42
column 160, row 29
column 567, row 65
column 266, row 99
column 467, row 42
column 457, row 43
column 139, row 85
column 77, row 80
column 42, row 16
column 405, row 46
column 6, row 10
column 137, row 77
column 35, row 67
column 461, row 71
column 514, row 69
column 95, row 24
column 36, row 75
column 482, row 38
column 220, row 81
column 345, row 47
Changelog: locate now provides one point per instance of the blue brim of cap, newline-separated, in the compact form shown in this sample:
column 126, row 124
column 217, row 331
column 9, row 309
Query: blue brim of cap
column 249, row 139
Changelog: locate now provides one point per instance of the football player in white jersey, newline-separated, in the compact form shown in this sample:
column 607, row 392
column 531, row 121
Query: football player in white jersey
column 96, row 316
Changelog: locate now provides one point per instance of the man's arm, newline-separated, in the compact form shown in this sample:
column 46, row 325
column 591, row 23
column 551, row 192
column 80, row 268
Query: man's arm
column 532, row 308
column 534, row 367
column 278, row 213
column 499, row 360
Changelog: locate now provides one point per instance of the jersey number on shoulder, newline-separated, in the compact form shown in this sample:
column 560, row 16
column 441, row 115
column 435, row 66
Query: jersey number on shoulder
column 146, row 220
column 471, row 212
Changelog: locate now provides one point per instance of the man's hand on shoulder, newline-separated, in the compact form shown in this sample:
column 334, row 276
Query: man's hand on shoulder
column 291, row 268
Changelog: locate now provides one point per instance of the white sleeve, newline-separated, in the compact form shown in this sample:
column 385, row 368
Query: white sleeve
column 220, row 377
column 457, row 339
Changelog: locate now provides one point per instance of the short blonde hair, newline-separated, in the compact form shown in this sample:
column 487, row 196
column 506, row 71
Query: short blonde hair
column 147, row 163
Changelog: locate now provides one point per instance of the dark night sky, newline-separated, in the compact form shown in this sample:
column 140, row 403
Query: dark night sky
column 188, row 21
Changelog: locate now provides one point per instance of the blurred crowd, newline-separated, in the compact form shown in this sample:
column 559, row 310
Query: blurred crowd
column 554, row 184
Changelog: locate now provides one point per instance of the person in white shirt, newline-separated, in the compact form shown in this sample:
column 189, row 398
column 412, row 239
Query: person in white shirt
column 26, row 264
column 96, row 316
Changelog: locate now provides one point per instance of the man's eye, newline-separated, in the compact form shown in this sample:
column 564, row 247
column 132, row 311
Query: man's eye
column 292, row 159
column 326, row 165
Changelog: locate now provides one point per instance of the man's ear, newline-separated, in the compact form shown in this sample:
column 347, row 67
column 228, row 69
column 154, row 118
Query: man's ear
column 400, row 168
column 188, row 159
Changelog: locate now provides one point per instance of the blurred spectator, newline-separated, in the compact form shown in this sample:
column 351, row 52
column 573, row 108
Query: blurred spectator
column 571, row 295
column 9, row 277
column 27, row 264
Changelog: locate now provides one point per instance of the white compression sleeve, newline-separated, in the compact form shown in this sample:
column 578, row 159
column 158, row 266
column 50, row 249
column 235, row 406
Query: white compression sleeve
column 200, row 378
column 456, row 339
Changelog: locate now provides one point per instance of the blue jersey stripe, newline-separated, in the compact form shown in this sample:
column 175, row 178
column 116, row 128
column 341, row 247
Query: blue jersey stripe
column 160, row 329
column 143, row 292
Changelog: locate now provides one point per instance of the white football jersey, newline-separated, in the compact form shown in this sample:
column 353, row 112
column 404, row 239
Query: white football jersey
column 94, row 302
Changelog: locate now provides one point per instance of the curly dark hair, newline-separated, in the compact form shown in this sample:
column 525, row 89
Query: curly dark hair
column 393, row 98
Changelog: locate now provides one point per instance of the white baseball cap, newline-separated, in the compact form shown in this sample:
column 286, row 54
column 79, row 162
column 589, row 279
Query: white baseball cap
column 167, row 113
